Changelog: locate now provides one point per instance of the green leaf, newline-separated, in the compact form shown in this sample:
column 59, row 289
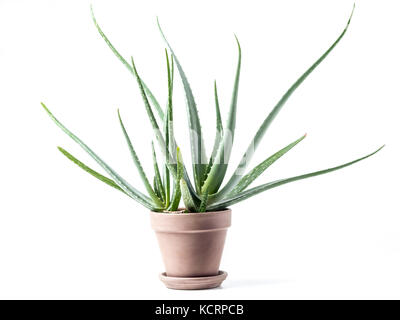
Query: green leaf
column 89, row 170
column 168, row 131
column 160, row 138
column 153, row 121
column 218, row 133
column 256, row 190
column 156, row 187
column 154, row 101
column 157, row 174
column 259, row 169
column 268, row 120
column 176, row 198
column 191, row 203
column 176, row 195
column 217, row 110
column 199, row 157
column 138, row 165
column 187, row 198
column 220, row 165
column 128, row 66
column 196, row 199
column 149, row 111
column 203, row 205
column 125, row 186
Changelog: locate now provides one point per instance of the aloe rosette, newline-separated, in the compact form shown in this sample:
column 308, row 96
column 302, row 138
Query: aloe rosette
column 171, row 181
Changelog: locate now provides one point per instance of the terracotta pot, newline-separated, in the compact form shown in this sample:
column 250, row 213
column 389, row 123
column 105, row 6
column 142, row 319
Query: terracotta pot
column 191, row 244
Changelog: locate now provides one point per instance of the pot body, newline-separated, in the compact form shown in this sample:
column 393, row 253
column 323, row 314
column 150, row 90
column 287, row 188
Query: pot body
column 191, row 244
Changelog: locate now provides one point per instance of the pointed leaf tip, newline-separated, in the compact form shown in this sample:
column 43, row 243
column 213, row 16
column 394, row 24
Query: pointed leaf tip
column 238, row 43
column 158, row 24
column 251, row 192
column 44, row 106
column 271, row 116
column 351, row 15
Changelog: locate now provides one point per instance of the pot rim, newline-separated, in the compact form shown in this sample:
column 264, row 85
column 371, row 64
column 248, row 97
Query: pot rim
column 179, row 213
column 194, row 222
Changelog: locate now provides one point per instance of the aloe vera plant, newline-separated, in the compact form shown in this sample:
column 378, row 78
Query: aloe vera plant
column 171, row 181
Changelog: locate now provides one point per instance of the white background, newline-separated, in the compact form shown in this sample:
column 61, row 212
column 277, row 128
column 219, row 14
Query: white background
column 65, row 235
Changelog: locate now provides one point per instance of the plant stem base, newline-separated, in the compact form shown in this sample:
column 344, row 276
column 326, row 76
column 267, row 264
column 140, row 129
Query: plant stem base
column 193, row 283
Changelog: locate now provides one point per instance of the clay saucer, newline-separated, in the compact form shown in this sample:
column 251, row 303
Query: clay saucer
column 193, row 283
